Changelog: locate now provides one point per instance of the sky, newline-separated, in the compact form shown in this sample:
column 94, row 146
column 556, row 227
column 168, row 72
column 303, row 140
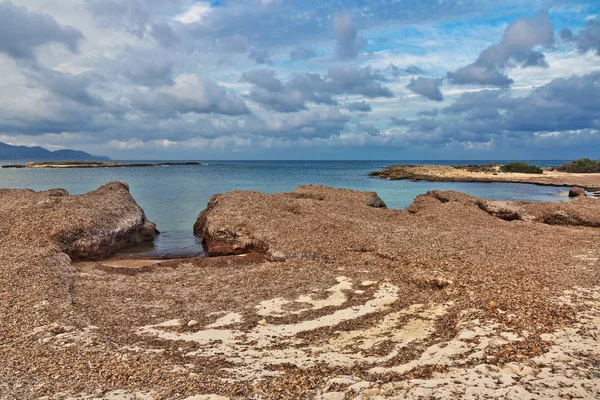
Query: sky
column 304, row 79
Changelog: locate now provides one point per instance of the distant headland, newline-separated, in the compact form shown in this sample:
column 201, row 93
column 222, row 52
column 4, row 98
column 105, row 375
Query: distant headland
column 9, row 152
column 95, row 164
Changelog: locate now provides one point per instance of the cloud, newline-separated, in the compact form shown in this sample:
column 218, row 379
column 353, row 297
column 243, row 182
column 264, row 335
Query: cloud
column 349, row 43
column 190, row 94
column 260, row 56
column 361, row 106
column 195, row 13
column 318, row 122
column 301, row 54
column 564, row 104
column 165, row 74
column 588, row 39
column 347, row 79
column 293, row 94
column 147, row 70
column 427, row 87
column 409, row 70
column 23, row 31
column 517, row 46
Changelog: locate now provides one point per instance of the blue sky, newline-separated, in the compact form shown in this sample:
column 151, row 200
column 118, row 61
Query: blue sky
column 282, row 79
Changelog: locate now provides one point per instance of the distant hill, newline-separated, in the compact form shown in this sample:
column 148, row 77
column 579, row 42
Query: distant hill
column 8, row 152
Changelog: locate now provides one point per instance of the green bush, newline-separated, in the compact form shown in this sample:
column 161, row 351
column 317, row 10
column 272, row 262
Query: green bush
column 583, row 165
column 521, row 167
column 478, row 167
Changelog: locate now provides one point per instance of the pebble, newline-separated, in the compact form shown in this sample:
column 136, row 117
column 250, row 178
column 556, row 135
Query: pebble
column 262, row 322
column 192, row 323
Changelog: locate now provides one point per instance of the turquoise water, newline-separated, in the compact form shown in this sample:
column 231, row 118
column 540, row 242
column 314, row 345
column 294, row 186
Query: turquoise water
column 172, row 197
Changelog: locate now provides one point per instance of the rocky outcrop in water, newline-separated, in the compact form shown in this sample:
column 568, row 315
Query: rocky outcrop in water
column 447, row 173
column 88, row 226
column 576, row 191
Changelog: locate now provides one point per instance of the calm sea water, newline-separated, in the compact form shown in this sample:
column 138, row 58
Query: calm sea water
column 172, row 197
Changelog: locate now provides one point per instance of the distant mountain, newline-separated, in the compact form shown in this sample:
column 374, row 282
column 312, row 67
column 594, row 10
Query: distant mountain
column 8, row 152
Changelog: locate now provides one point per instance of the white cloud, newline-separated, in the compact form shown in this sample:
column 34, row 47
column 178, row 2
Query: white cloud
column 195, row 13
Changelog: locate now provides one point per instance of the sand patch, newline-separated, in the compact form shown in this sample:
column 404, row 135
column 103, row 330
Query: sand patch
column 254, row 351
column 277, row 307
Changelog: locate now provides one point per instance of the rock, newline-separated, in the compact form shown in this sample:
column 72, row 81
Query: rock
column 90, row 226
column 192, row 323
column 502, row 209
column 376, row 202
column 576, row 191
column 262, row 322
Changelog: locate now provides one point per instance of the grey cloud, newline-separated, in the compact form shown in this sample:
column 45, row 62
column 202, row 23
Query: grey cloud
column 564, row 104
column 368, row 129
column 189, row 94
column 399, row 121
column 163, row 34
column 427, row 87
column 317, row 122
column 299, row 89
column 301, row 54
column 517, row 46
column 409, row 70
column 430, row 113
column 346, row 79
column 588, row 39
column 264, row 79
column 22, row 32
column 361, row 106
column 138, row 17
column 260, row 56
column 234, row 44
column 349, row 43
column 146, row 70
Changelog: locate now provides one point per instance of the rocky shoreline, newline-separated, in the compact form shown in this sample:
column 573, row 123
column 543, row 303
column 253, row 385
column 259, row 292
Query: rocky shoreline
column 96, row 164
column 446, row 173
column 317, row 293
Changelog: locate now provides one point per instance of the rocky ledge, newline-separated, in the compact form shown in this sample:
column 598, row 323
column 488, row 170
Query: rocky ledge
column 317, row 293
column 446, row 173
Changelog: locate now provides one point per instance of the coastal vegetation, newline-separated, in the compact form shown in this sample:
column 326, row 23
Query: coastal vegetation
column 521, row 167
column 583, row 165
column 491, row 167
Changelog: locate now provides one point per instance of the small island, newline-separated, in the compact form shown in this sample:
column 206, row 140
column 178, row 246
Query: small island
column 96, row 164
column 552, row 176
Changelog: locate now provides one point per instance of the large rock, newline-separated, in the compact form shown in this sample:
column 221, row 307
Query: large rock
column 226, row 224
column 88, row 226
column 576, row 191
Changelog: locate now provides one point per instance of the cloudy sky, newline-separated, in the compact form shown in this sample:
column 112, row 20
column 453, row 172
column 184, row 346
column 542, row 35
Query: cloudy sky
column 303, row 79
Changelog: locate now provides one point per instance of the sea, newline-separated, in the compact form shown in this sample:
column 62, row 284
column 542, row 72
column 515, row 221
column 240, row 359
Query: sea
column 173, row 196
